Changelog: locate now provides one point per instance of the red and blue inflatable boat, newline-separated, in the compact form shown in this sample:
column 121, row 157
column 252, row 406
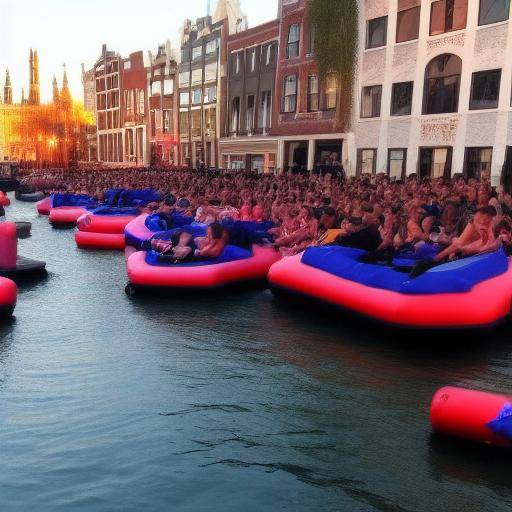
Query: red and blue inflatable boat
column 473, row 415
column 65, row 209
column 235, row 266
column 467, row 293
column 8, row 297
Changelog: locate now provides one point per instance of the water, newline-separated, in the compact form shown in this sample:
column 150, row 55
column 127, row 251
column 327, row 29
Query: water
column 228, row 403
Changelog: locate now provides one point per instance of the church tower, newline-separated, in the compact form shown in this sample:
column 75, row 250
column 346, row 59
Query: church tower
column 7, row 89
column 34, row 94
column 65, row 95
column 56, row 93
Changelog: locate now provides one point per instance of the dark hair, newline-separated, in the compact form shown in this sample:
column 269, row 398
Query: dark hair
column 328, row 210
column 487, row 210
column 502, row 224
column 217, row 230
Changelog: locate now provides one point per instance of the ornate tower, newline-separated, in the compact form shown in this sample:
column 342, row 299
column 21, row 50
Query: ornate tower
column 65, row 95
column 56, row 93
column 34, row 94
column 7, row 89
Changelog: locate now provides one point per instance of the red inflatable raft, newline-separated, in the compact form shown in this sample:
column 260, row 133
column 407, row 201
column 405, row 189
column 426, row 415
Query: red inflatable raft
column 485, row 304
column 102, row 231
column 473, row 415
column 4, row 200
column 66, row 216
column 8, row 294
column 254, row 268
column 44, row 206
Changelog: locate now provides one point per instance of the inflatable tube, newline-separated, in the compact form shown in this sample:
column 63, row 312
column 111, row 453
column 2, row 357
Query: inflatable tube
column 44, row 206
column 8, row 296
column 473, row 415
column 30, row 197
column 66, row 216
column 136, row 232
column 94, row 223
column 105, row 241
column 4, row 200
column 480, row 305
column 23, row 229
column 200, row 276
column 11, row 264
column 9, row 184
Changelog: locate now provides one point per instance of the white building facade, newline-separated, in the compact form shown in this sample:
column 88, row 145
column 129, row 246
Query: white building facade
column 433, row 89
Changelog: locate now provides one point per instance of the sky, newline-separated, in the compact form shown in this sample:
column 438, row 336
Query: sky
column 72, row 31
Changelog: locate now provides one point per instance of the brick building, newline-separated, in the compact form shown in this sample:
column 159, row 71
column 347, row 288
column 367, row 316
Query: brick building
column 252, row 62
column 304, row 112
column 121, row 109
column 163, row 107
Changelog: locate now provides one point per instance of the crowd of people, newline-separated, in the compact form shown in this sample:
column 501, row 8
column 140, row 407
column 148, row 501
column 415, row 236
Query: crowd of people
column 434, row 220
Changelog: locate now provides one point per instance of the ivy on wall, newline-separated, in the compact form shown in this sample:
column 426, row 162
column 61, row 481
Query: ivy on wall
column 335, row 25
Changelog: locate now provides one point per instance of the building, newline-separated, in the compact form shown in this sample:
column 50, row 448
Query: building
column 90, row 145
column 163, row 107
column 121, row 109
column 304, row 111
column 40, row 134
column 203, row 81
column 433, row 95
column 252, row 63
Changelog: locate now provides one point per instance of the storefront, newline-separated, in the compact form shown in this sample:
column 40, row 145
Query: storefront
column 254, row 155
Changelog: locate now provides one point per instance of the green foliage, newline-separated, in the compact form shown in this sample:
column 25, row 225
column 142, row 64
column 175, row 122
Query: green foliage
column 336, row 35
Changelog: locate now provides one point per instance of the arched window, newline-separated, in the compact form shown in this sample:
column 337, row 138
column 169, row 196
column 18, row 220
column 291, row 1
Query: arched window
column 442, row 84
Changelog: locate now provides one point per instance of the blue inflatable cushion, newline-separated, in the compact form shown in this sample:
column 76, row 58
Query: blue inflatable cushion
column 133, row 198
column 72, row 200
column 112, row 211
column 502, row 425
column 230, row 253
column 458, row 276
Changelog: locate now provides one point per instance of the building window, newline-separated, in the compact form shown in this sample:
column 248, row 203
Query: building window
column 269, row 54
column 442, row 83
column 167, row 121
column 236, row 63
column 197, row 76
column 168, row 86
column 235, row 115
column 376, row 32
column 435, row 162
column 397, row 160
column 250, row 114
column 401, row 99
column 210, row 72
column 210, row 121
column 211, row 46
column 366, row 161
column 184, row 78
column 196, row 123
column 485, row 89
column 313, row 94
column 477, row 163
column 312, row 35
column 408, row 20
column 448, row 15
column 210, row 94
column 331, row 91
column 370, row 101
column 292, row 48
column 156, row 88
column 493, row 11
column 265, row 111
column 142, row 103
column 185, row 54
column 197, row 52
column 184, row 98
column 290, row 94
column 196, row 97
column 252, row 60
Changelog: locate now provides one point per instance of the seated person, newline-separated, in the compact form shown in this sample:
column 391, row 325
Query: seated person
column 177, row 250
column 211, row 245
column 357, row 235
column 327, row 232
column 503, row 232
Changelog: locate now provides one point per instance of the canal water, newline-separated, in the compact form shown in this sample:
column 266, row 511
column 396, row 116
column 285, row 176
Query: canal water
column 233, row 402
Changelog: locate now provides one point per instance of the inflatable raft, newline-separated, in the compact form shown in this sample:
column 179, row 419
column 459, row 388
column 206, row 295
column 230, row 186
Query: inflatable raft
column 473, row 415
column 4, row 200
column 104, row 228
column 44, row 206
column 67, row 208
column 234, row 266
column 23, row 229
column 467, row 293
column 8, row 296
column 11, row 264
